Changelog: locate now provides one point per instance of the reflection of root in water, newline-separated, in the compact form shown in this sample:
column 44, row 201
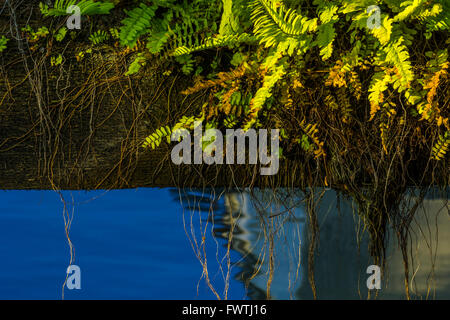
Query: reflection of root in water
column 282, row 254
column 276, row 213
column 206, row 218
column 68, row 218
column 198, row 220
column 418, row 228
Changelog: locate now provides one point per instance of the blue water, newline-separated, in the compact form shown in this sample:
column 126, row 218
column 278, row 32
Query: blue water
column 146, row 244
column 129, row 244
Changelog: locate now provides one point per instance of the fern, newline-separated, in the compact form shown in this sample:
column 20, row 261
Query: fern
column 438, row 18
column 87, row 7
column 215, row 42
column 186, row 123
column 276, row 46
column 188, row 37
column 135, row 66
column 187, row 63
column 410, row 8
column 43, row 8
column 441, row 147
column 136, row 24
column 437, row 71
column 378, row 85
column 355, row 84
column 264, row 92
column 55, row 61
column 158, row 40
column 344, row 105
column 325, row 40
column 61, row 34
column 275, row 24
column 114, row 33
column 183, row 25
column 384, row 32
column 326, row 32
column 230, row 121
column 311, row 131
column 397, row 54
column 434, row 14
column 154, row 140
column 98, row 37
column 3, row 42
column 222, row 77
column 240, row 102
column 229, row 23
column 34, row 36
column 305, row 143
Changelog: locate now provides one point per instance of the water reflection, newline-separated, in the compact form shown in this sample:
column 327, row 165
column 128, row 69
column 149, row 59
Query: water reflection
column 271, row 233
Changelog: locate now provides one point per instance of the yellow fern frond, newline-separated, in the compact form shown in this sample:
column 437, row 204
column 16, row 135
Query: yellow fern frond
column 378, row 85
column 441, row 147
column 336, row 77
column 430, row 109
column 311, row 131
column 221, row 78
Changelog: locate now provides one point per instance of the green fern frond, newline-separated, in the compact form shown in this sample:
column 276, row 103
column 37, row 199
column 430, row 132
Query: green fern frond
column 98, row 37
column 114, row 33
column 186, row 37
column 61, row 34
column 274, row 24
column 325, row 40
column 136, row 24
column 135, row 66
column 265, row 92
column 229, row 23
column 215, row 42
column 187, row 63
column 326, row 33
column 186, row 123
column 154, row 140
column 230, row 121
column 87, row 7
column 397, row 54
column 157, row 41
column 439, row 21
column 3, row 42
